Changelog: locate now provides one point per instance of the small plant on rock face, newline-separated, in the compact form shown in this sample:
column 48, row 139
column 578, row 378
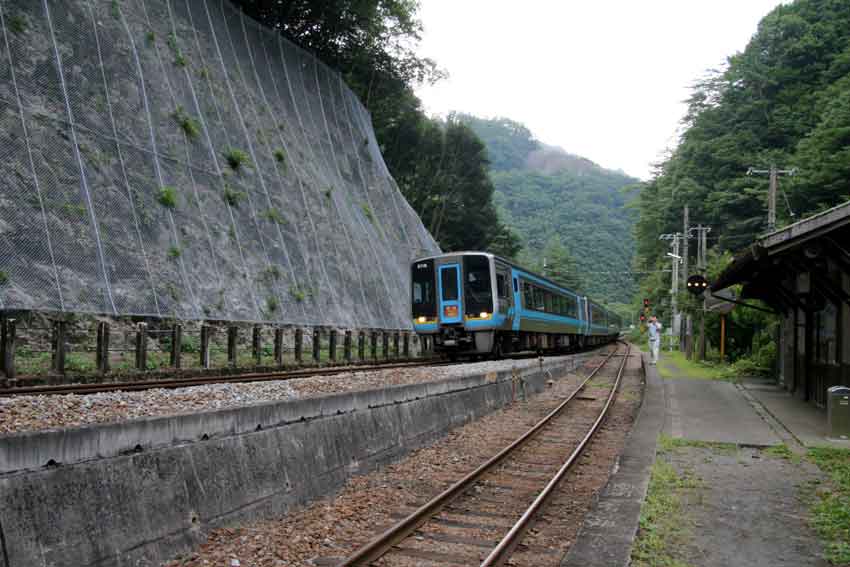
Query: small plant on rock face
column 367, row 210
column 4, row 278
column 167, row 197
column 329, row 192
column 272, row 304
column 173, row 252
column 151, row 37
column 236, row 158
column 179, row 58
column 232, row 197
column 270, row 275
column 280, row 155
column 188, row 124
column 273, row 215
column 18, row 23
column 297, row 294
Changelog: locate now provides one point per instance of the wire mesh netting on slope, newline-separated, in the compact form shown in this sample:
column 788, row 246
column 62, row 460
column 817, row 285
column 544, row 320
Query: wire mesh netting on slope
column 174, row 158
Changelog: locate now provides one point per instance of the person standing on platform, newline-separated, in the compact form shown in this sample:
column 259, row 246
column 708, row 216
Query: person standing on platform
column 654, row 328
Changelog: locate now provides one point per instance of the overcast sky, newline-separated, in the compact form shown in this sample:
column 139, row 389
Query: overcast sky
column 604, row 79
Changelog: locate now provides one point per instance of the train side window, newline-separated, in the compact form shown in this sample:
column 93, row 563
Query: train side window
column 550, row 303
column 502, row 285
column 528, row 295
column 539, row 302
column 516, row 289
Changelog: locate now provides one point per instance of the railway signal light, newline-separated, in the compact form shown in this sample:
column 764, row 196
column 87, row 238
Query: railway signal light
column 697, row 284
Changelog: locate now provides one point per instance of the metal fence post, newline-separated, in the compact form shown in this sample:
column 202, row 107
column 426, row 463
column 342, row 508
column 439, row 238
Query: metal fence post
column 299, row 346
column 59, row 330
column 142, row 347
column 205, row 346
column 256, row 346
column 374, row 345
column 346, row 347
column 396, row 340
column 232, row 338
column 8, row 341
column 332, row 346
column 317, row 345
column 385, row 344
column 102, row 350
column 361, row 346
column 278, row 346
column 176, row 346
column 406, row 345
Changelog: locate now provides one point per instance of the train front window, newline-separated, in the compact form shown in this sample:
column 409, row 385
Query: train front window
column 477, row 285
column 423, row 297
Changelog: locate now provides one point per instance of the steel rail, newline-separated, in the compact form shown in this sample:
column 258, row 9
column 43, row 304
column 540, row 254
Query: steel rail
column 204, row 379
column 502, row 551
column 210, row 379
column 379, row 545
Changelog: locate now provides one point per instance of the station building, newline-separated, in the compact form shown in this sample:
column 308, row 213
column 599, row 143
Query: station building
column 803, row 272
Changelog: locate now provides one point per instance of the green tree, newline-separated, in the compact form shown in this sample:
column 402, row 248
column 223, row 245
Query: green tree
column 782, row 101
column 560, row 266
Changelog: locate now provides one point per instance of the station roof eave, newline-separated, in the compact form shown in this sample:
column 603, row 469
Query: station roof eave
column 759, row 266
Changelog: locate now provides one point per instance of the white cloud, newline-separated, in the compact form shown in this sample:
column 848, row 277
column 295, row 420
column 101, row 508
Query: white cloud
column 604, row 79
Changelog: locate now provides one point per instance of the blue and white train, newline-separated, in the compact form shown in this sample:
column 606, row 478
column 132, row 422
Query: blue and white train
column 478, row 303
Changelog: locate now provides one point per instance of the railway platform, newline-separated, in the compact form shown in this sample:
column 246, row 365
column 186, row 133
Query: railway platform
column 725, row 436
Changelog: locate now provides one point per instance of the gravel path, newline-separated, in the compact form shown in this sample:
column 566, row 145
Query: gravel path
column 327, row 530
column 30, row 413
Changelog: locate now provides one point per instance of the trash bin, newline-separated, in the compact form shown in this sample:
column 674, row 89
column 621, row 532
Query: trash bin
column 838, row 412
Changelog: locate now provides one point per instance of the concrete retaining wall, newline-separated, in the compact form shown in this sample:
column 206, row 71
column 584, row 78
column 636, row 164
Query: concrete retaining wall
column 137, row 493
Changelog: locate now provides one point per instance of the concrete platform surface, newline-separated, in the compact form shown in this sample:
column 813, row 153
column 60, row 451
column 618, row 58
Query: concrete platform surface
column 804, row 421
column 707, row 410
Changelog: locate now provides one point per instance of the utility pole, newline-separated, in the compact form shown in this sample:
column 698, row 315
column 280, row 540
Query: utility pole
column 774, row 174
column 684, row 326
column 702, row 265
column 674, row 283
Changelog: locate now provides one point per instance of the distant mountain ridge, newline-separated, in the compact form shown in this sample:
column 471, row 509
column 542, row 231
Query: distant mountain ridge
column 543, row 191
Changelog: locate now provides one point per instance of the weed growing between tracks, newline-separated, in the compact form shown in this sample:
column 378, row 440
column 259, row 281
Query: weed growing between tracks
column 831, row 507
column 665, row 527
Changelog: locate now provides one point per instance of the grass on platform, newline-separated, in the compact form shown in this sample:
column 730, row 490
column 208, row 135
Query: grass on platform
column 665, row 527
column 667, row 444
column 831, row 507
column 674, row 364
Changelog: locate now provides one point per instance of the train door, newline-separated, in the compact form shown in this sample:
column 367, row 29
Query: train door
column 517, row 302
column 503, row 292
column 450, row 309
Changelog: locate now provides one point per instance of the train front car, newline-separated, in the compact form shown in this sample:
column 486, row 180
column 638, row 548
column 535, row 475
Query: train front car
column 454, row 301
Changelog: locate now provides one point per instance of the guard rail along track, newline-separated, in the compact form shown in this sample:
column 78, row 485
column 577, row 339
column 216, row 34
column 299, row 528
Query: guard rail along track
column 423, row 523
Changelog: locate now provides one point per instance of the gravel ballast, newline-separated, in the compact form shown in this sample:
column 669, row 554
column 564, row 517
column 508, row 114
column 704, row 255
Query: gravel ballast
column 39, row 412
column 324, row 532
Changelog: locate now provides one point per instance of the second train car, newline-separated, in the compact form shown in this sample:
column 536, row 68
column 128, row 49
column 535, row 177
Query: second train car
column 478, row 303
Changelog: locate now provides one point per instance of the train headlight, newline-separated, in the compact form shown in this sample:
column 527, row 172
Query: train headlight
column 421, row 319
column 483, row 314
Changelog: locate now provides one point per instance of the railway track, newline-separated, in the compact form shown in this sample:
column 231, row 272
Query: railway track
column 136, row 385
column 482, row 518
column 201, row 380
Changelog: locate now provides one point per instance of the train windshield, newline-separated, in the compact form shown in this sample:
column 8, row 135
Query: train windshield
column 423, row 298
column 477, row 286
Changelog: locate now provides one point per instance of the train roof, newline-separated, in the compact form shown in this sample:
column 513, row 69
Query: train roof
column 510, row 263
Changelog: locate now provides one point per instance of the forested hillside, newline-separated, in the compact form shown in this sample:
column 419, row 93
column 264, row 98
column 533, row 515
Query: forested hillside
column 784, row 100
column 562, row 206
